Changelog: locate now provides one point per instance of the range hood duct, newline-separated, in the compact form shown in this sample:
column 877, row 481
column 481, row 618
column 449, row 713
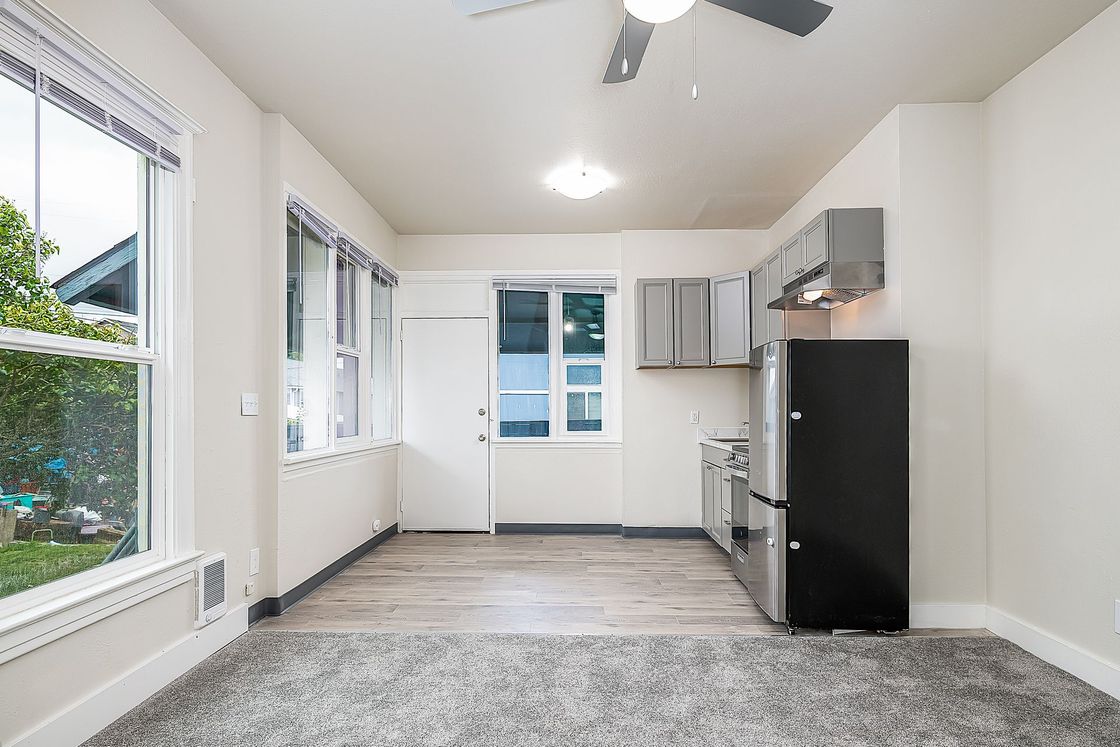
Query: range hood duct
column 854, row 267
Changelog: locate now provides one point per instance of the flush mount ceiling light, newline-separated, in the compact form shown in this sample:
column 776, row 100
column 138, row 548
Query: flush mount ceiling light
column 658, row 11
column 579, row 182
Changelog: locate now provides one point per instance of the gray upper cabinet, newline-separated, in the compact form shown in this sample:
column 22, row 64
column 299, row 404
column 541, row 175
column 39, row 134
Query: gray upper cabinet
column 654, row 316
column 773, row 293
column 731, row 319
column 814, row 243
column 793, row 258
column 760, row 332
column 691, row 322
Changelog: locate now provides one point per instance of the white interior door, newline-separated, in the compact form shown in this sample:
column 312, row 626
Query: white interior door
column 445, row 424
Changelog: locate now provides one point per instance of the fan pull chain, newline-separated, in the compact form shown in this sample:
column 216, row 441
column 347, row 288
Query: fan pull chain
column 625, row 62
column 695, row 85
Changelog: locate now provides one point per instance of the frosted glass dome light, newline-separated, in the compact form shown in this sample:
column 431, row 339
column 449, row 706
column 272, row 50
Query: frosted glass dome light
column 658, row 11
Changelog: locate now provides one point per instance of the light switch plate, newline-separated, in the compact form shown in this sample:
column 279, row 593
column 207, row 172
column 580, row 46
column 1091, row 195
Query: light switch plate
column 254, row 561
column 1116, row 621
column 250, row 403
column 694, row 417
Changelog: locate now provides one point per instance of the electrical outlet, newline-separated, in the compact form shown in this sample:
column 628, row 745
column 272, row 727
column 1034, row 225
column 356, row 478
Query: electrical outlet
column 250, row 588
column 254, row 561
column 694, row 417
column 250, row 403
column 377, row 525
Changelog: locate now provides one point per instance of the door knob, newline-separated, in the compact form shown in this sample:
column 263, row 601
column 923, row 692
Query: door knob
column 481, row 436
column 482, row 411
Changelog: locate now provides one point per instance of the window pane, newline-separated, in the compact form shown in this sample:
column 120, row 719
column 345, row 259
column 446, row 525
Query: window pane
column 17, row 154
column 308, row 388
column 346, row 300
column 94, row 230
column 382, row 359
column 585, row 411
column 523, row 415
column 585, row 375
column 73, row 465
column 523, row 363
column 584, row 330
column 346, row 395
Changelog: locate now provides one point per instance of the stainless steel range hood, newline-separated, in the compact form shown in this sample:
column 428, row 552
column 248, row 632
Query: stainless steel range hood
column 851, row 241
column 830, row 285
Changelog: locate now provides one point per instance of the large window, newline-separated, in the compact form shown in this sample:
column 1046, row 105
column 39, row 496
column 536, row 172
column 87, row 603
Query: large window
column 86, row 210
column 552, row 363
column 339, row 352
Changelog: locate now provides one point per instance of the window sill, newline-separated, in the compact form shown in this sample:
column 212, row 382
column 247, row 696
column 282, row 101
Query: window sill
column 318, row 459
column 28, row 629
column 516, row 443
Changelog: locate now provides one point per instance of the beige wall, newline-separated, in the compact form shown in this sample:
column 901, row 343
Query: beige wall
column 652, row 479
column 661, row 485
column 362, row 487
column 922, row 165
column 236, row 350
column 1052, row 327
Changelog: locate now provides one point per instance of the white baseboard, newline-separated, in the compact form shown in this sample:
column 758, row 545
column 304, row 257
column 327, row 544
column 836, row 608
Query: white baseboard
column 947, row 615
column 1062, row 654
column 92, row 715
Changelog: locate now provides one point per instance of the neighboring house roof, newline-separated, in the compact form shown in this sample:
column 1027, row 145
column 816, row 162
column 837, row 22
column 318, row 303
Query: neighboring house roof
column 108, row 280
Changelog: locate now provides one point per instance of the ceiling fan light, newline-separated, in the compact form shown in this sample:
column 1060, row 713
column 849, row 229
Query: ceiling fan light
column 658, row 11
column 579, row 183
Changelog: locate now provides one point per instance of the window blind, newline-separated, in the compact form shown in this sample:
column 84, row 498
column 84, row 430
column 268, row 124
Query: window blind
column 312, row 221
column 347, row 246
column 606, row 284
column 31, row 51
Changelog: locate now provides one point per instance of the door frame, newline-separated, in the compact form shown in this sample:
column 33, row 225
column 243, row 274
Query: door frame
column 491, row 398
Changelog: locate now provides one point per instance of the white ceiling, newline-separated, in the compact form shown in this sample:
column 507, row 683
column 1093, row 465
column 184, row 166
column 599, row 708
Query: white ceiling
column 450, row 124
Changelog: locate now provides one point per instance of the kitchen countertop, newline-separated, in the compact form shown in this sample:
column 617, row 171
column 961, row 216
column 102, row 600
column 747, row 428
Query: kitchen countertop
column 711, row 436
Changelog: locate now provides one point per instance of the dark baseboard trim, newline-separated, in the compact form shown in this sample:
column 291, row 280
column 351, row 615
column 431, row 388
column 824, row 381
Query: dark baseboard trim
column 273, row 606
column 515, row 528
column 665, row 532
column 616, row 529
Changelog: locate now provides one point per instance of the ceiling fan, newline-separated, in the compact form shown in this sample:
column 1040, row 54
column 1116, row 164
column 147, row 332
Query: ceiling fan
column 799, row 17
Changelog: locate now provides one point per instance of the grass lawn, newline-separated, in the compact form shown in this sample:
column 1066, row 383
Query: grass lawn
column 25, row 565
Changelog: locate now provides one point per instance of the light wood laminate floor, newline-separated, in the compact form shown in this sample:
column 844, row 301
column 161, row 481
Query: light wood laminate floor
column 533, row 584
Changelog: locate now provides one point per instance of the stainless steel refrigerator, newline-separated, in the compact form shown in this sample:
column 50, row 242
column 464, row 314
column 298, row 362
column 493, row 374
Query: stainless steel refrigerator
column 821, row 529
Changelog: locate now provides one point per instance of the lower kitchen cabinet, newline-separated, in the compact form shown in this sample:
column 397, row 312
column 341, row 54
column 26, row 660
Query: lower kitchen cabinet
column 725, row 531
column 715, row 496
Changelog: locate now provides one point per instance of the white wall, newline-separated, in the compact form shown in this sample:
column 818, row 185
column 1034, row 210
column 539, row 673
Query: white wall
column 236, row 350
column 922, row 164
column 661, row 471
column 344, row 498
column 1052, row 326
column 651, row 480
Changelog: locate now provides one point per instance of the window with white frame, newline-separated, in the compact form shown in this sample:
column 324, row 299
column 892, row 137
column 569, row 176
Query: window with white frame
column 88, row 178
column 553, row 377
column 332, row 368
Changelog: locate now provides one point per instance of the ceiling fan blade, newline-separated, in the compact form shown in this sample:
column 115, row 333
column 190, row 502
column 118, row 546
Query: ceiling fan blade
column 637, row 34
column 799, row 17
column 470, row 7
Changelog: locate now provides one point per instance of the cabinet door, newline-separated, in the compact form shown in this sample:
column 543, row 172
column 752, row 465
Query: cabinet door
column 731, row 319
column 653, row 311
column 715, row 499
column 773, row 292
column 760, row 315
column 707, row 519
column 793, row 259
column 814, row 243
column 725, row 531
column 690, row 323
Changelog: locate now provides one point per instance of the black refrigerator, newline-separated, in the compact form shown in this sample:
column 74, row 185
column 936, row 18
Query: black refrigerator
column 821, row 532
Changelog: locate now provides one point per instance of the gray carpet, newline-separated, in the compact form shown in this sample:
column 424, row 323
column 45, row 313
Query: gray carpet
column 324, row 689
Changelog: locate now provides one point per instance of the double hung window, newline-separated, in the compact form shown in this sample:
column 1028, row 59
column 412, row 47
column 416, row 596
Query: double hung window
column 88, row 179
column 339, row 344
column 553, row 343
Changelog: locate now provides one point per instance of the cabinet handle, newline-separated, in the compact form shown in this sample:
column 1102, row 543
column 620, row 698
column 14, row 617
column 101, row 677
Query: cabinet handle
column 770, row 541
